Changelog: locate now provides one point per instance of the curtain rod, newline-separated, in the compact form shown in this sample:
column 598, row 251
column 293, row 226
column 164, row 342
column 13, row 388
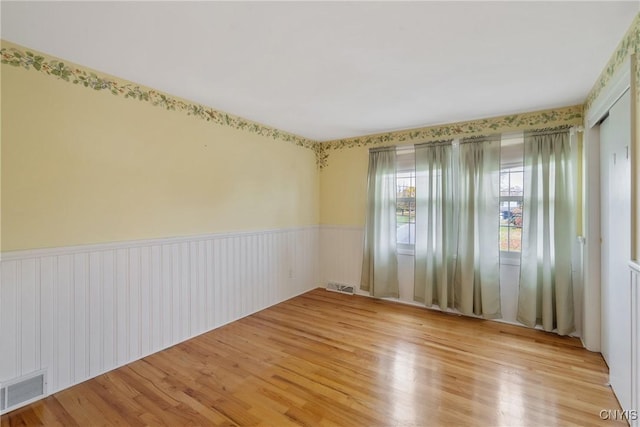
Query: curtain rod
column 504, row 136
column 387, row 148
column 551, row 131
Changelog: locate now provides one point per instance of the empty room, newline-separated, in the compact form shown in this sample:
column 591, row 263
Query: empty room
column 320, row 213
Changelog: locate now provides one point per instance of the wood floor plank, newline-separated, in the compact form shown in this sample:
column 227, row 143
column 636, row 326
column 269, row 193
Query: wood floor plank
column 327, row 359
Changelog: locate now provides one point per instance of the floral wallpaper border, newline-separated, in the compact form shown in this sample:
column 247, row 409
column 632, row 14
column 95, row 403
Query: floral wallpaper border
column 629, row 45
column 27, row 59
column 573, row 115
column 535, row 120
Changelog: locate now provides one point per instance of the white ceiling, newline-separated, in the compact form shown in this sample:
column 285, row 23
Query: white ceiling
column 328, row 70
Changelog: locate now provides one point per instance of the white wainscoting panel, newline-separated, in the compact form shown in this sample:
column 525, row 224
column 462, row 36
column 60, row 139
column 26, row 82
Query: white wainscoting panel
column 341, row 254
column 81, row 311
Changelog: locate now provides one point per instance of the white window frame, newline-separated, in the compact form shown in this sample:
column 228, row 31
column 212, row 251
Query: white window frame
column 511, row 257
column 511, row 158
column 405, row 164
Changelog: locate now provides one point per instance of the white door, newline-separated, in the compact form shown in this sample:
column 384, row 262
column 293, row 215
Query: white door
column 615, row 141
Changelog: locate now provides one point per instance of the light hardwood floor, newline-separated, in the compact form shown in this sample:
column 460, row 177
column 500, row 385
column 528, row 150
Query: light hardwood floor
column 330, row 359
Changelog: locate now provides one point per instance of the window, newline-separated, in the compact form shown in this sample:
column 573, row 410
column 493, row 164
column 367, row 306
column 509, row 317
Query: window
column 511, row 195
column 511, row 209
column 406, row 208
column 405, row 198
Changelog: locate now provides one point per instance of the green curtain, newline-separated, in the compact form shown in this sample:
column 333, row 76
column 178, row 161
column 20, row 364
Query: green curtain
column 380, row 262
column 434, row 225
column 546, row 290
column 477, row 269
column 457, row 226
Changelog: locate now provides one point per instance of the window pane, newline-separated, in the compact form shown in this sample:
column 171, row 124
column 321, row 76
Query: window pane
column 511, row 193
column 515, row 213
column 515, row 239
column 406, row 234
column 515, row 183
column 405, row 208
column 504, row 184
column 511, row 225
column 504, row 238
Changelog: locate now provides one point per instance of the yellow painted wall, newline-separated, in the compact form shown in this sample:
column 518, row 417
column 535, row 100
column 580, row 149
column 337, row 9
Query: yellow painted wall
column 80, row 166
column 343, row 189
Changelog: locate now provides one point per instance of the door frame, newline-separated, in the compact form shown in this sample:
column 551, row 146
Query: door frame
column 619, row 83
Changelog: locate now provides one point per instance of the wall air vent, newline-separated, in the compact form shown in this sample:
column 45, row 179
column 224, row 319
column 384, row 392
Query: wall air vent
column 340, row 287
column 23, row 390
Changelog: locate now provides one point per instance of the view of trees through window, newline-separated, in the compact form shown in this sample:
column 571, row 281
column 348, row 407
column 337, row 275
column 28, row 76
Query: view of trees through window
column 406, row 208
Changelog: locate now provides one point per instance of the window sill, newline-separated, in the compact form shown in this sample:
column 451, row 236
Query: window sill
column 405, row 251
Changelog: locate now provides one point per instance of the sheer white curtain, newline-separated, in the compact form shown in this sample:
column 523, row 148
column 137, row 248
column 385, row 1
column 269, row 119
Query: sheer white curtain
column 434, row 225
column 477, row 270
column 379, row 262
column 546, row 290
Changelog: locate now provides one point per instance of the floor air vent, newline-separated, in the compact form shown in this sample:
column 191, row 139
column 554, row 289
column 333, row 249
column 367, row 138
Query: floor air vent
column 22, row 391
column 340, row 287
